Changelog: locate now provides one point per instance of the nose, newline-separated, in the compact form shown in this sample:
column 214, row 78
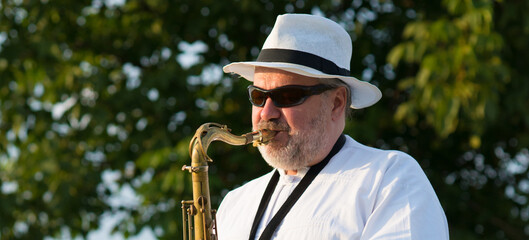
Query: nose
column 269, row 111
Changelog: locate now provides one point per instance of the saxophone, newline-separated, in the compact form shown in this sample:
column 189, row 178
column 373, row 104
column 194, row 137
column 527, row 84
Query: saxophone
column 199, row 221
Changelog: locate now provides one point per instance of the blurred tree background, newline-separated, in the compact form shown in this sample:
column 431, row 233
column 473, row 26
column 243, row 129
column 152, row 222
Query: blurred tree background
column 99, row 100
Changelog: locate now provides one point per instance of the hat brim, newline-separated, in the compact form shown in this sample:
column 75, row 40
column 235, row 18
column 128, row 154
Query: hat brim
column 363, row 94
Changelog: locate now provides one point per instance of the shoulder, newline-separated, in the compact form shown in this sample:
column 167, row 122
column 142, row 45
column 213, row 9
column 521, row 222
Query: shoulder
column 246, row 192
column 352, row 145
column 356, row 156
column 380, row 172
column 254, row 184
column 237, row 209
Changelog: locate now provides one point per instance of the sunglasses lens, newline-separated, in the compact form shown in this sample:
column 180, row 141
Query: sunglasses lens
column 288, row 97
column 257, row 97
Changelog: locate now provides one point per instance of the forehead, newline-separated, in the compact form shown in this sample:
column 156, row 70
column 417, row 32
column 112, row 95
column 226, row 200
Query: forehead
column 272, row 78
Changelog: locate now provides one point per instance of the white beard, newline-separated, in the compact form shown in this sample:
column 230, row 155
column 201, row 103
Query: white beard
column 301, row 148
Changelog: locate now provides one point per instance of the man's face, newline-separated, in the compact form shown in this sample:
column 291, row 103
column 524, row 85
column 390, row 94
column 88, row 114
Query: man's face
column 300, row 128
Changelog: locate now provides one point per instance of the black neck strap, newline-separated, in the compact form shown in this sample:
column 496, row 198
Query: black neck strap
column 294, row 196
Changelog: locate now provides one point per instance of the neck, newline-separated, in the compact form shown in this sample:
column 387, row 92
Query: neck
column 291, row 172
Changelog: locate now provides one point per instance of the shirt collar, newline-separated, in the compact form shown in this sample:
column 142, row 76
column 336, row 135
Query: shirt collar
column 284, row 178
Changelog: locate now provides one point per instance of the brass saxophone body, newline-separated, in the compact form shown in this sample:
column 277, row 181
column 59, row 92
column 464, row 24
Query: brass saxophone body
column 198, row 217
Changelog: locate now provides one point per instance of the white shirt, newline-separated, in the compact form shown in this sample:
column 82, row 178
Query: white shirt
column 362, row 193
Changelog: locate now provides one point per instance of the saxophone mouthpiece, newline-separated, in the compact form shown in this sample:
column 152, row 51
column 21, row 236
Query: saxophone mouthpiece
column 264, row 136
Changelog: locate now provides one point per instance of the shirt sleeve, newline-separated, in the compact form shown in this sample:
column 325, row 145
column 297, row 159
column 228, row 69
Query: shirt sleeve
column 406, row 206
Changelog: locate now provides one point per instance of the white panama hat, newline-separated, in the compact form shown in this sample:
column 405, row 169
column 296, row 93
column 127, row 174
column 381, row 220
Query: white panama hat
column 311, row 46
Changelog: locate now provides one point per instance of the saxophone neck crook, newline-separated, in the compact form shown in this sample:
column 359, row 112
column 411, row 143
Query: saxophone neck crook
column 209, row 132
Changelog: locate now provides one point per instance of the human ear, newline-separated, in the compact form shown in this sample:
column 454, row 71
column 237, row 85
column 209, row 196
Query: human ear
column 338, row 103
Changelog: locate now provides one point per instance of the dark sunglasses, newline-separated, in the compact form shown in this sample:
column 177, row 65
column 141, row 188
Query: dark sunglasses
column 286, row 96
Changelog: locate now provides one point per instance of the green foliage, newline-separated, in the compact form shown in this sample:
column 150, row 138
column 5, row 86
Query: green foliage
column 97, row 98
column 459, row 73
column 460, row 66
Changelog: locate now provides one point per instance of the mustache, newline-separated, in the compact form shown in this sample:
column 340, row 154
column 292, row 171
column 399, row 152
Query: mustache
column 273, row 125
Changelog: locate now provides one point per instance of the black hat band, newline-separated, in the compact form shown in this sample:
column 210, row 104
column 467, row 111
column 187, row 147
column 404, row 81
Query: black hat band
column 301, row 58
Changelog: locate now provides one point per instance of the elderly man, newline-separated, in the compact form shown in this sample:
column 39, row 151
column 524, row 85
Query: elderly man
column 325, row 185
